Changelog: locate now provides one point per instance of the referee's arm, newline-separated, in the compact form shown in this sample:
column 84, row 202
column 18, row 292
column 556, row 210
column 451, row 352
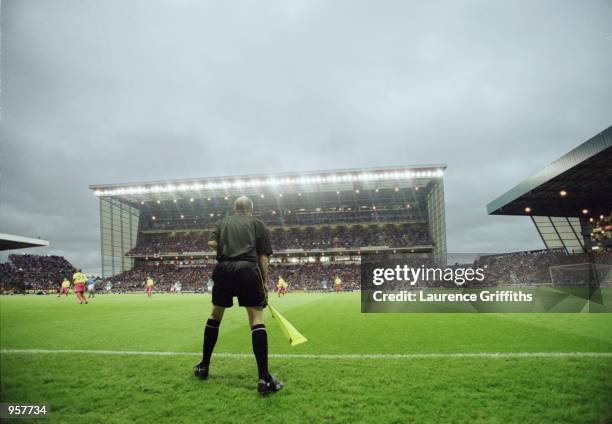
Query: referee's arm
column 264, row 260
column 264, row 249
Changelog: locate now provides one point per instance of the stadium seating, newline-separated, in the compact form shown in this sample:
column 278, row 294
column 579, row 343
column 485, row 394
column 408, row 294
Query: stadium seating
column 191, row 278
column 34, row 272
column 531, row 268
column 510, row 269
column 299, row 276
column 280, row 217
column 306, row 238
column 601, row 232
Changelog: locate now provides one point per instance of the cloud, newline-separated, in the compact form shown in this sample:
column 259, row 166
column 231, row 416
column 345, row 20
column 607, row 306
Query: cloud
column 115, row 91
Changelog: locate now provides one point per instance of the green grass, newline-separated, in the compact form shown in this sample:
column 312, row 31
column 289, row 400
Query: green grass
column 86, row 387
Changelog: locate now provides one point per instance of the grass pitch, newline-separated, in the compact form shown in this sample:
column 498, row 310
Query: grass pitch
column 103, row 387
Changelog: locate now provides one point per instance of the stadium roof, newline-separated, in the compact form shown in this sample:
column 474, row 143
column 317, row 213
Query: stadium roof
column 12, row 242
column 290, row 182
column 577, row 184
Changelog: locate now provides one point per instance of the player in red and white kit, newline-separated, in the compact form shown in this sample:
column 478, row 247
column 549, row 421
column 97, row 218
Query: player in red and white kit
column 79, row 280
column 64, row 288
column 338, row 284
column 149, row 286
column 281, row 287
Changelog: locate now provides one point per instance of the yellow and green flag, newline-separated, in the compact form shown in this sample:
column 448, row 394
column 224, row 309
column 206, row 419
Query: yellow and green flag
column 294, row 336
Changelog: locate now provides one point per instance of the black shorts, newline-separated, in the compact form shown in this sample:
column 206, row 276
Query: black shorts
column 238, row 278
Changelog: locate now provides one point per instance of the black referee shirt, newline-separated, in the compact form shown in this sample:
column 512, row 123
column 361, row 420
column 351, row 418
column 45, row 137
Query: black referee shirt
column 241, row 237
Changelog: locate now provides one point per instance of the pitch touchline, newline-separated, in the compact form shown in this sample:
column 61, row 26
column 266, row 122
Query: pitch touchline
column 331, row 355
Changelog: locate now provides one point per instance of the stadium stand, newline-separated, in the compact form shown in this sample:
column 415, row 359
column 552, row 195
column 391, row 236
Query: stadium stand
column 601, row 232
column 281, row 217
column 311, row 277
column 531, row 268
column 324, row 237
column 516, row 269
column 320, row 223
column 33, row 272
column 192, row 278
column 570, row 200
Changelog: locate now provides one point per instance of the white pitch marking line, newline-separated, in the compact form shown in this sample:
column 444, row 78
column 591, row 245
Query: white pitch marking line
column 500, row 355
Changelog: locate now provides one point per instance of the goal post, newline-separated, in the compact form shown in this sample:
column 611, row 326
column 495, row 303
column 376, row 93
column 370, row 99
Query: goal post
column 582, row 274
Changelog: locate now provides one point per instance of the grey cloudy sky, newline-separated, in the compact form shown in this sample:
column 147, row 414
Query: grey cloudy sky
column 121, row 90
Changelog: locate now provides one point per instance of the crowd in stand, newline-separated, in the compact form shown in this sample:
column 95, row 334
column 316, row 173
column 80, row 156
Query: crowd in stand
column 534, row 267
column 288, row 217
column 313, row 276
column 390, row 235
column 316, row 276
column 521, row 269
column 161, row 243
column 10, row 277
column 164, row 276
column 345, row 216
column 34, row 272
column 601, row 232
column 351, row 237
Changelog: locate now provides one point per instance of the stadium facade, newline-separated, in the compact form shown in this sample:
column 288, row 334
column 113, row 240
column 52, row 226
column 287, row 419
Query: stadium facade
column 570, row 200
column 349, row 212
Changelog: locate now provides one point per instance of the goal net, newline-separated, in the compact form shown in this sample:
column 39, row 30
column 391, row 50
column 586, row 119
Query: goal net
column 586, row 274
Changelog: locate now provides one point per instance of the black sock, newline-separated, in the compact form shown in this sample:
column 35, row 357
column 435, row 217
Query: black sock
column 260, row 349
column 211, row 331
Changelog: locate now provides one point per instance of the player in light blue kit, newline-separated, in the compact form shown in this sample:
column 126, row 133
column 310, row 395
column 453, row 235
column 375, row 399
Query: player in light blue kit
column 91, row 287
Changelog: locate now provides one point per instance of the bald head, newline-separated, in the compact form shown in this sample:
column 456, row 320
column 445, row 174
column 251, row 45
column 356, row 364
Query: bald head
column 243, row 205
